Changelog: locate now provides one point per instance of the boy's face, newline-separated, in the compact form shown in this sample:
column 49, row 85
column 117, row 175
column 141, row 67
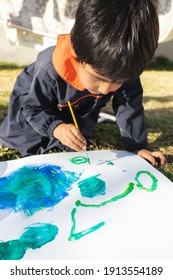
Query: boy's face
column 93, row 82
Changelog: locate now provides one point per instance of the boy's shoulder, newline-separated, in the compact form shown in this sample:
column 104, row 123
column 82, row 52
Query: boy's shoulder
column 44, row 59
column 65, row 63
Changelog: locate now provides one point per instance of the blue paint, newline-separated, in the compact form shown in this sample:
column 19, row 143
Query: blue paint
column 32, row 188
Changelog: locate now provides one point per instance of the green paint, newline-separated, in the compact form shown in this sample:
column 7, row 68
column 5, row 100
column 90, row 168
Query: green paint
column 79, row 160
column 34, row 237
column 12, row 250
column 113, row 199
column 109, row 162
column 140, row 186
column 92, row 186
column 76, row 236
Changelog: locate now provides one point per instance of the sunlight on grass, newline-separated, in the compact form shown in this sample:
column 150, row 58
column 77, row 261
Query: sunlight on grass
column 152, row 137
column 7, row 81
column 157, row 83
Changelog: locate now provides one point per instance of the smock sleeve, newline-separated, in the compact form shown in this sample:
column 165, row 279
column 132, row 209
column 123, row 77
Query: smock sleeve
column 129, row 111
column 39, row 106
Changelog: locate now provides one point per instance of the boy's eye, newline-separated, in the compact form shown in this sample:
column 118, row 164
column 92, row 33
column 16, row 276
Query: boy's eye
column 97, row 79
column 100, row 80
column 104, row 81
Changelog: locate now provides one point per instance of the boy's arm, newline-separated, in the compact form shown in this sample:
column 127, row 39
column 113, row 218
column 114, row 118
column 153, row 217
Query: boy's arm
column 40, row 111
column 39, row 108
column 128, row 108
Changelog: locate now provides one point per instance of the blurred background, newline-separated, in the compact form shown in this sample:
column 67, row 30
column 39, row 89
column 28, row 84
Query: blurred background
column 28, row 26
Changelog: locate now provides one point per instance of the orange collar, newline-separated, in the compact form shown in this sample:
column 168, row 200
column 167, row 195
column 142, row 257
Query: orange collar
column 64, row 63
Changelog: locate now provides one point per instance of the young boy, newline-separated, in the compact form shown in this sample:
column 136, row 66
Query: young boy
column 110, row 45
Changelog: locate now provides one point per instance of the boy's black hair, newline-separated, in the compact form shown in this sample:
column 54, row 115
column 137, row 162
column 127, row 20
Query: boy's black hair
column 117, row 38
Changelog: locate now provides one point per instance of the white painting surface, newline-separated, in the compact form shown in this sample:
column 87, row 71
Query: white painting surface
column 58, row 206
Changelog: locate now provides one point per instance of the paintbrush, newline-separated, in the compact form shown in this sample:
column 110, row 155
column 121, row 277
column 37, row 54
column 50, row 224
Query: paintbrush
column 76, row 125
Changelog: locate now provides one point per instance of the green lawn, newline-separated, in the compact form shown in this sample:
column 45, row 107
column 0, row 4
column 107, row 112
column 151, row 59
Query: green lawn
column 157, row 82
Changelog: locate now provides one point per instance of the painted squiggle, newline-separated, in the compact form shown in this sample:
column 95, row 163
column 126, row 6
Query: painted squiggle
column 113, row 199
column 95, row 186
column 33, row 237
column 76, row 236
column 139, row 184
column 32, row 188
column 79, row 160
column 108, row 162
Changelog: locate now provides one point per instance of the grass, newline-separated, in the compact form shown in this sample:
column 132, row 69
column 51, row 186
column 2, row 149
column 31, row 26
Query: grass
column 158, row 103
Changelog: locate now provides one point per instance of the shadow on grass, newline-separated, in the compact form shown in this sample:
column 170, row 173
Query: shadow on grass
column 10, row 66
column 3, row 112
column 160, row 63
column 163, row 99
column 167, row 169
column 160, row 120
column 9, row 154
column 106, row 136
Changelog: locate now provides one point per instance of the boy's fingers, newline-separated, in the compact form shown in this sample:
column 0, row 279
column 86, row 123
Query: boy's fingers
column 75, row 131
column 75, row 140
column 159, row 156
column 74, row 145
column 70, row 136
column 150, row 158
column 147, row 155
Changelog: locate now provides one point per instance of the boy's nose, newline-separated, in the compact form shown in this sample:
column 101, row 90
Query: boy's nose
column 105, row 87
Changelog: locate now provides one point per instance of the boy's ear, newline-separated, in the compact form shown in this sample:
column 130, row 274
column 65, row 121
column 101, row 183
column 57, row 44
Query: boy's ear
column 73, row 52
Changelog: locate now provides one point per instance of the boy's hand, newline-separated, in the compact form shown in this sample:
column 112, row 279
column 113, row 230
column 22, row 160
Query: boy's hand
column 70, row 136
column 153, row 157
